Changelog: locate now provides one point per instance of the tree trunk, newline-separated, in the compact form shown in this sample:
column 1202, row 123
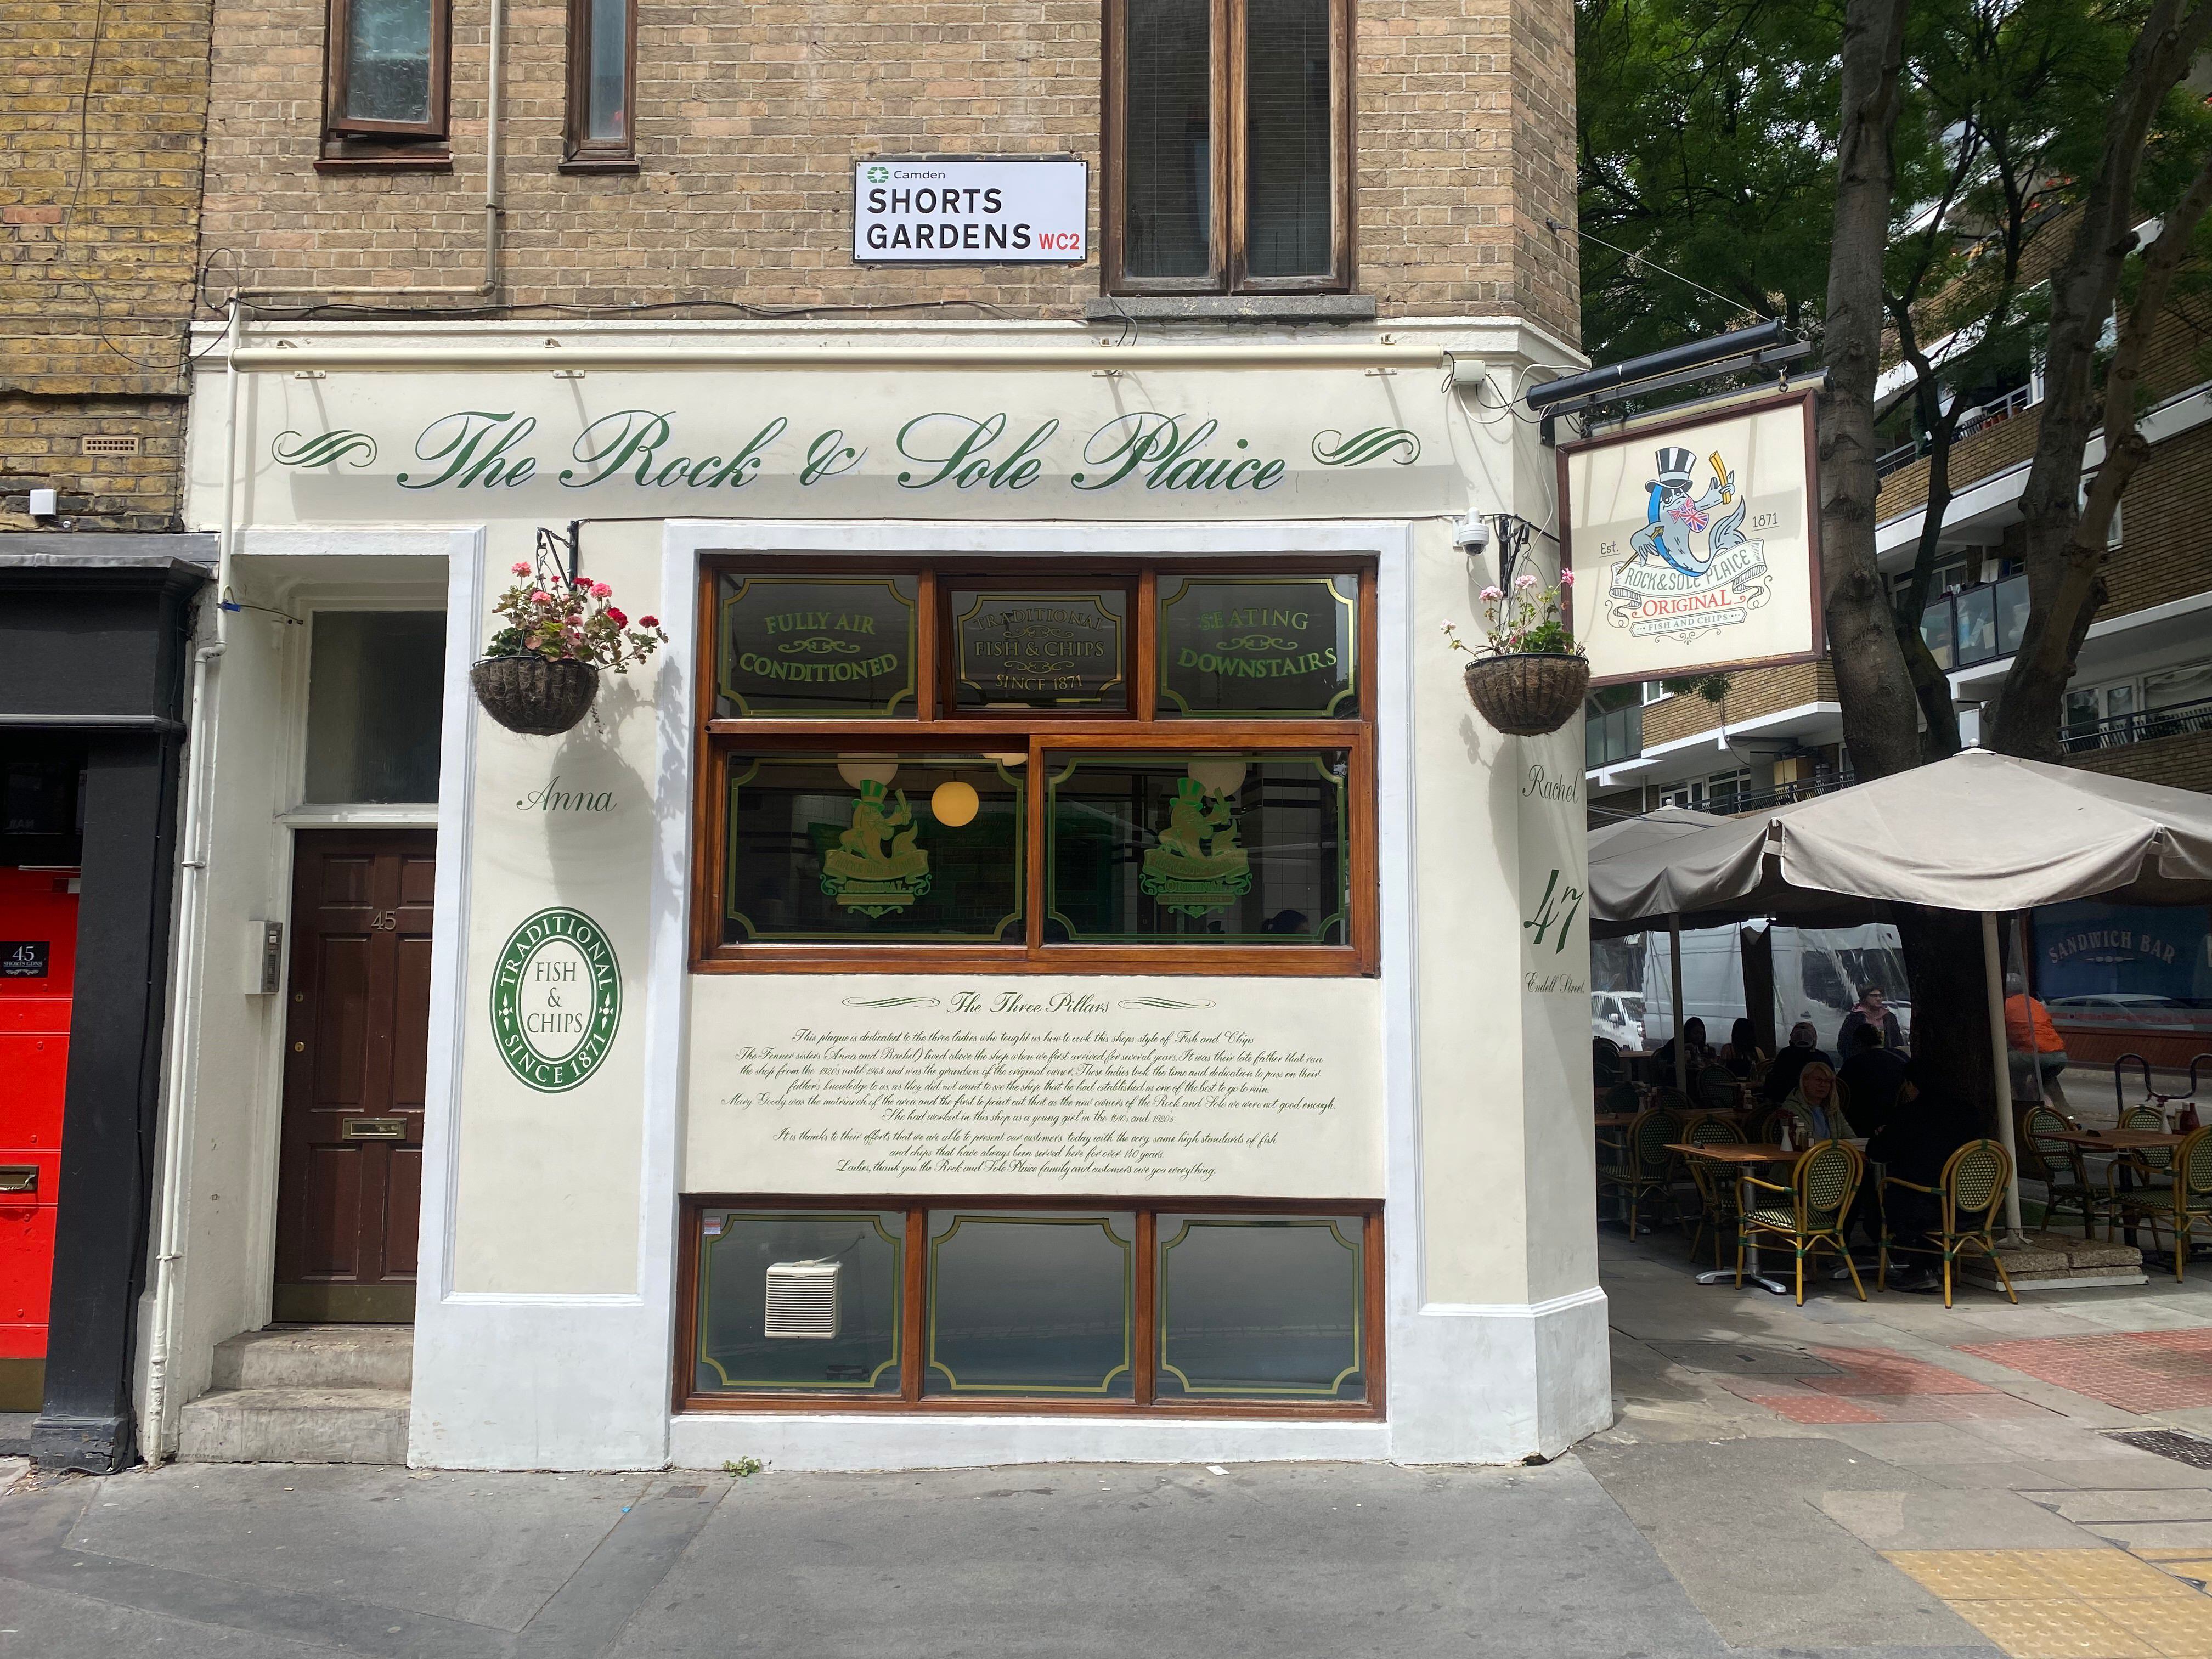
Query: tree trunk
column 2065, row 576
column 1879, row 707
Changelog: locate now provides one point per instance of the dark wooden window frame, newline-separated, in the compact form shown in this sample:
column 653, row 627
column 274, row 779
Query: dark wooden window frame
column 579, row 152
column 336, row 66
column 1144, row 1350
column 1227, row 273
column 936, row 728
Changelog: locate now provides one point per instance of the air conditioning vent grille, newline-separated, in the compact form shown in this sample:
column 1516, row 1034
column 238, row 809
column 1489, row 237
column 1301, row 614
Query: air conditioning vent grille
column 802, row 1300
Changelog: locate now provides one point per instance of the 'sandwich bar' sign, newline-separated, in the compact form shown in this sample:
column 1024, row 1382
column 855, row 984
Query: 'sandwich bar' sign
column 1694, row 543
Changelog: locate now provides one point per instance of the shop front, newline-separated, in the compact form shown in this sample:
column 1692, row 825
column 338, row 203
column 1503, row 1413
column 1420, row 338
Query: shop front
column 1044, row 963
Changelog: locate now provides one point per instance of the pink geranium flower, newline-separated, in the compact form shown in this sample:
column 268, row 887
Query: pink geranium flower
column 520, row 567
column 601, row 591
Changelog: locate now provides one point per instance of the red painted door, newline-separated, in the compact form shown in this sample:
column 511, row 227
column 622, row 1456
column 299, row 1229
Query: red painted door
column 37, row 975
column 355, row 1053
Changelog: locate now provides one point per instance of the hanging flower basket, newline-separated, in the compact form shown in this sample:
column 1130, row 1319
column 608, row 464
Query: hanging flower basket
column 1527, row 693
column 536, row 696
column 541, row 670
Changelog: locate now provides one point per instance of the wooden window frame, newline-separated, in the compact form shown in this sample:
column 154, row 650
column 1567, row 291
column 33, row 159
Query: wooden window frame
column 1227, row 271
column 579, row 151
column 935, row 728
column 1144, row 1401
column 336, row 66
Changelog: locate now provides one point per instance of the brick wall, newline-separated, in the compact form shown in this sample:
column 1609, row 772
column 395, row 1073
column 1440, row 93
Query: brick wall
column 1990, row 450
column 100, row 185
column 2164, row 553
column 2183, row 762
column 1756, row 692
column 748, row 118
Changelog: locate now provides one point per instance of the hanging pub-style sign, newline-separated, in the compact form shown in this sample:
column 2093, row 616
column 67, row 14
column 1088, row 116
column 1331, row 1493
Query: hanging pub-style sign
column 1695, row 542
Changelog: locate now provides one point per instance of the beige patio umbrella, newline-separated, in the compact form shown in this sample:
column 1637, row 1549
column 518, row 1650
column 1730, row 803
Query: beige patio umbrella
column 1978, row 831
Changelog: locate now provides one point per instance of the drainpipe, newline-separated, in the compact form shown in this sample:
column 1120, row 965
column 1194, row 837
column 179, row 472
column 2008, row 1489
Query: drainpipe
column 180, row 1097
column 493, row 211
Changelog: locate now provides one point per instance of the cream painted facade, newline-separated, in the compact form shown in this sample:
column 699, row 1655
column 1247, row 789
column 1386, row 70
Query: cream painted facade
column 407, row 465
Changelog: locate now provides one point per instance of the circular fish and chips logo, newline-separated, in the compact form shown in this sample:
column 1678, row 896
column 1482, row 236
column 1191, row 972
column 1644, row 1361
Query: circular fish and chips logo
column 556, row 999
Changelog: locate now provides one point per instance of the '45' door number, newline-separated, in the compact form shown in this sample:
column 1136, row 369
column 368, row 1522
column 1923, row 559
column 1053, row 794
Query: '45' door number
column 384, row 921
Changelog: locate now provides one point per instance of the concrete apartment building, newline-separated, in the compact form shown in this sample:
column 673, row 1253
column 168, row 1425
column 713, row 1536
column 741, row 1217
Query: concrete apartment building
column 1051, row 435
column 2140, row 705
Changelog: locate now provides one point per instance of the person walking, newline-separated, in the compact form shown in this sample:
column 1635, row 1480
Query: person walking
column 2033, row 1045
column 1870, row 1075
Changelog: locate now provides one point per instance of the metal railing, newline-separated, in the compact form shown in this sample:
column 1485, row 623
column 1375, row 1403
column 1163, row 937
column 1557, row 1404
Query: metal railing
column 2121, row 730
column 1974, row 420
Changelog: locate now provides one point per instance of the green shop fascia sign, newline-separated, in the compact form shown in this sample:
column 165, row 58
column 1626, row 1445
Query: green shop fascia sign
column 556, row 999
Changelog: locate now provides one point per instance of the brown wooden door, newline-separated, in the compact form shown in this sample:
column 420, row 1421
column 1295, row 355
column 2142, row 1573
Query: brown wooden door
column 355, row 1052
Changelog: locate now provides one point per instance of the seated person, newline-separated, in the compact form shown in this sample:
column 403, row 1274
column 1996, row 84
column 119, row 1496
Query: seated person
column 1813, row 1101
column 2036, row 1051
column 1693, row 1039
column 1922, row 1132
column 1782, row 1076
column 1741, row 1055
column 1870, row 1075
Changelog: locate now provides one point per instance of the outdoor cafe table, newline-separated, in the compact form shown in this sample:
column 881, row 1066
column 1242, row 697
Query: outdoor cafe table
column 2122, row 1141
column 1746, row 1157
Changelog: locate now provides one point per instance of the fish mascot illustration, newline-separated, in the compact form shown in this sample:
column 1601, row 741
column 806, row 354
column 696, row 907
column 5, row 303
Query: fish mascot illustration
column 1674, row 520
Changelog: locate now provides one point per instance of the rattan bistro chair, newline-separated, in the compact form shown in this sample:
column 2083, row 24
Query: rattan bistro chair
column 1973, row 1185
column 2058, row 1166
column 1810, row 1213
column 1643, row 1169
column 2180, row 1196
column 1716, row 1182
column 1606, row 1066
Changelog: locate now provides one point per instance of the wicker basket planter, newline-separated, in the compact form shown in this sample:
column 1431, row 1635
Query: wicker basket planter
column 532, row 696
column 1527, row 693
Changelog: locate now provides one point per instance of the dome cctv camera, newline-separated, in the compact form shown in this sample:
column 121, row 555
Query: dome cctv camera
column 1472, row 534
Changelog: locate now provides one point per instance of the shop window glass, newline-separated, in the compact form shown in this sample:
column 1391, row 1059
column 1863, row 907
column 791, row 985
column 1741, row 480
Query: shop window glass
column 1040, row 649
column 1259, row 646
column 801, row 1300
column 1265, row 1307
column 376, row 684
column 1031, row 1304
column 1202, row 849
column 799, row 647
column 858, row 847
column 2133, row 968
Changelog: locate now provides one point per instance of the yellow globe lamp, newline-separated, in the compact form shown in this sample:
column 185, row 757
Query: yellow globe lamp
column 954, row 803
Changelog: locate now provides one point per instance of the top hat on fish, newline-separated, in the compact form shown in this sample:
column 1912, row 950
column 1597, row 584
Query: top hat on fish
column 1674, row 469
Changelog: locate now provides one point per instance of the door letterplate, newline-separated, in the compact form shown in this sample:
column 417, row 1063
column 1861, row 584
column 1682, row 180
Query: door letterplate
column 372, row 1128
column 19, row 1177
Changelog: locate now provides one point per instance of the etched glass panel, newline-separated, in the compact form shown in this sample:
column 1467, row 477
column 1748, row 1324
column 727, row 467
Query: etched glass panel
column 800, row 646
column 1229, row 850
column 1265, row 1307
column 1040, row 650
column 388, row 61
column 1260, row 644
column 860, row 847
column 839, row 1333
column 1031, row 1304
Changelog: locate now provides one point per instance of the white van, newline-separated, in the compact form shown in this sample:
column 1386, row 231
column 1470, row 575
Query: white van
column 1817, row 975
column 1618, row 1015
